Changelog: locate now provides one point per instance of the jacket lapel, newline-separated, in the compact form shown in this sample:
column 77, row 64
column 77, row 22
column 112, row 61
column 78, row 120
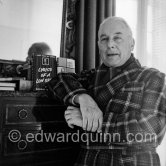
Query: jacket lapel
column 106, row 85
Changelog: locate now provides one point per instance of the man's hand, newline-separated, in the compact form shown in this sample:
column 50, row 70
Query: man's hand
column 92, row 116
column 73, row 116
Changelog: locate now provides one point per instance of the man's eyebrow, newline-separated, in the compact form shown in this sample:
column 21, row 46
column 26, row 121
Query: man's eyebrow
column 118, row 33
column 103, row 35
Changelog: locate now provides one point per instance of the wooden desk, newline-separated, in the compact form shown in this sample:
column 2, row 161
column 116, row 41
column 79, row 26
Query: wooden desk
column 26, row 120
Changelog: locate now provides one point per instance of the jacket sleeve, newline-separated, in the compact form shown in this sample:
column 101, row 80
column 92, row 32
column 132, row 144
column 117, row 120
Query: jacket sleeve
column 146, row 124
column 66, row 85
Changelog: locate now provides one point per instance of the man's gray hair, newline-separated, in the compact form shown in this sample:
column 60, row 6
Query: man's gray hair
column 120, row 19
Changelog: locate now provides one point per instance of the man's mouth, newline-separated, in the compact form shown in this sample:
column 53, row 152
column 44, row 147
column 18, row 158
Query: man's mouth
column 111, row 55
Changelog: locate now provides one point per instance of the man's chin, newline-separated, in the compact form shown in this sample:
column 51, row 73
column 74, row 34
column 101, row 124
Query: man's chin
column 112, row 61
column 109, row 64
column 112, row 55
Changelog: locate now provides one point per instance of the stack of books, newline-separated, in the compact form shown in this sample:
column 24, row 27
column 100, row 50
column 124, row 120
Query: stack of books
column 65, row 65
column 7, row 86
column 15, row 84
column 43, row 69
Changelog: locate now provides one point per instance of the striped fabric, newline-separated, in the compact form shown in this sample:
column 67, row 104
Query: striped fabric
column 133, row 102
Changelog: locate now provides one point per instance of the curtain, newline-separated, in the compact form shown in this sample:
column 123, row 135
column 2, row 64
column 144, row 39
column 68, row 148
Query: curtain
column 157, row 49
column 90, row 13
column 157, row 27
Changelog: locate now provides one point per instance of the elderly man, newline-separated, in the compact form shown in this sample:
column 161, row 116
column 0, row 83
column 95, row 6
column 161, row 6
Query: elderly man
column 120, row 98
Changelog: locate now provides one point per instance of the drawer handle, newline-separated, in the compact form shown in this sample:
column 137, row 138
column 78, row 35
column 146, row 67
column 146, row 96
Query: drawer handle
column 22, row 144
column 23, row 114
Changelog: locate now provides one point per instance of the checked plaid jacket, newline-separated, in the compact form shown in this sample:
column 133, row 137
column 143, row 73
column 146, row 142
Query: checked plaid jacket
column 131, row 97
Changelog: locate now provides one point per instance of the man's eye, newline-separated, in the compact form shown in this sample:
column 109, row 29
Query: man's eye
column 117, row 38
column 104, row 39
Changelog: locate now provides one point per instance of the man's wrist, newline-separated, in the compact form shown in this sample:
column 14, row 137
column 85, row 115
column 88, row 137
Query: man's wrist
column 73, row 100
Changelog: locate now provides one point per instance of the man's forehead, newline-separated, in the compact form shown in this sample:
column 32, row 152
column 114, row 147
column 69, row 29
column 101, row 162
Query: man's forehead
column 113, row 27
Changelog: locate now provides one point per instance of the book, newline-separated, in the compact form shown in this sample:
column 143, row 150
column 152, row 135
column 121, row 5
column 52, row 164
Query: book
column 44, row 68
column 11, row 78
column 65, row 65
column 23, row 85
column 65, row 62
column 65, row 70
column 7, row 88
column 10, row 84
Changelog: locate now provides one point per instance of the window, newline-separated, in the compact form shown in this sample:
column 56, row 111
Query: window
column 129, row 13
column 147, row 19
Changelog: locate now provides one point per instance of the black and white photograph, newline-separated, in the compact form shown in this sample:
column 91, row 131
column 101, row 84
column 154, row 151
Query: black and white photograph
column 82, row 83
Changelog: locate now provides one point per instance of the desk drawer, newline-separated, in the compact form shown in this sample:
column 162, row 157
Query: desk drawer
column 24, row 141
column 34, row 115
column 27, row 113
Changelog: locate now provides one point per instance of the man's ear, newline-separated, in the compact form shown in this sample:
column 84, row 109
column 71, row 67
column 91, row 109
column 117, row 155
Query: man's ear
column 98, row 44
column 132, row 44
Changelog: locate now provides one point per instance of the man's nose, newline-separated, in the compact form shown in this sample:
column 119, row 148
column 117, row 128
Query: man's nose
column 111, row 44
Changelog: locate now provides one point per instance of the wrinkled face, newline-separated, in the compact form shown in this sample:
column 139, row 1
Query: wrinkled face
column 115, row 43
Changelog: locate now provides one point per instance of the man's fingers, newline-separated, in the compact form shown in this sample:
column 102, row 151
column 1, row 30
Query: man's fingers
column 68, row 117
column 67, row 112
column 71, row 107
column 100, row 120
column 95, row 125
column 85, row 121
column 89, row 124
column 75, row 122
column 91, row 121
column 70, row 124
column 71, row 116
